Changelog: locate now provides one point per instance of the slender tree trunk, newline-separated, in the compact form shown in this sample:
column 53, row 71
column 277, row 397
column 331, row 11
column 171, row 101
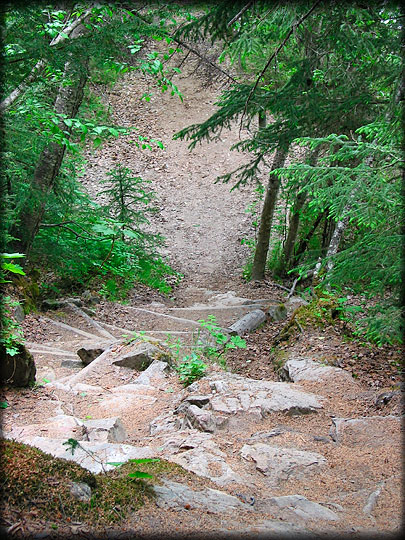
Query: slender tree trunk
column 284, row 263
column 285, row 258
column 263, row 238
column 304, row 243
column 68, row 100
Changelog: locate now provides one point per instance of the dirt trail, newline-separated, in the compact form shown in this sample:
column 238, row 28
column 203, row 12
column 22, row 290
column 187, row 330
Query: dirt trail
column 203, row 223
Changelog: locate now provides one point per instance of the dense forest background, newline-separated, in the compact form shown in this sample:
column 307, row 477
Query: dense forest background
column 324, row 76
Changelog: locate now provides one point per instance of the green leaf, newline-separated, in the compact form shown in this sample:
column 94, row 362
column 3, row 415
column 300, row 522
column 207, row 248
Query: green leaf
column 97, row 142
column 14, row 268
column 12, row 255
column 3, row 404
column 139, row 474
column 144, row 460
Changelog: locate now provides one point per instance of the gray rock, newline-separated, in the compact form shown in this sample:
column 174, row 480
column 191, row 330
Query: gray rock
column 218, row 386
column 175, row 496
column 71, row 363
column 372, row 431
column 304, row 369
column 193, row 387
column 181, row 441
column 278, row 312
column 141, row 357
column 157, row 370
column 105, row 430
column 279, row 464
column 201, row 419
column 164, row 423
column 80, row 491
column 89, row 352
column 91, row 456
column 372, row 500
column 18, row 370
column 18, row 313
column 304, row 508
column 245, row 396
column 208, row 465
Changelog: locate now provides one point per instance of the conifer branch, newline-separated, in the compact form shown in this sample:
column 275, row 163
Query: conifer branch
column 39, row 66
column 274, row 55
column 241, row 12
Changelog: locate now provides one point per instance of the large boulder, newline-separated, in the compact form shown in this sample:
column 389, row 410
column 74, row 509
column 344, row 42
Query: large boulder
column 305, row 369
column 141, row 357
column 90, row 351
column 19, row 369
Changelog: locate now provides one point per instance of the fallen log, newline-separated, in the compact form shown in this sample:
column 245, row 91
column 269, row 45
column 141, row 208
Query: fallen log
column 247, row 323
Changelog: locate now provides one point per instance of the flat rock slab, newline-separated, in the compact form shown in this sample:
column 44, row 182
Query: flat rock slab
column 127, row 402
column 91, row 456
column 179, row 496
column 60, row 426
column 208, row 465
column 372, row 431
column 302, row 508
column 304, row 369
column 236, row 394
column 280, row 464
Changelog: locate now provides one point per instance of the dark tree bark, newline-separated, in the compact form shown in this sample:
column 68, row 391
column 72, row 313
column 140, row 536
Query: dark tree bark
column 302, row 246
column 284, row 262
column 263, row 239
column 68, row 100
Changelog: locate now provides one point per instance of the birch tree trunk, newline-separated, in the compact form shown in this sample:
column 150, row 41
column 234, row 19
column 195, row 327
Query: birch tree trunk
column 266, row 219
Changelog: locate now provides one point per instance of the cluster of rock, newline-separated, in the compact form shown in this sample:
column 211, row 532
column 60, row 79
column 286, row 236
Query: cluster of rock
column 196, row 429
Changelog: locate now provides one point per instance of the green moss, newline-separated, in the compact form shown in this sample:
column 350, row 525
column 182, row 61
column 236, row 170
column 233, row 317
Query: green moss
column 31, row 480
column 319, row 312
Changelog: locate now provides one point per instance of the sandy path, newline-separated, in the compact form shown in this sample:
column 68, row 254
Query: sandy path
column 203, row 223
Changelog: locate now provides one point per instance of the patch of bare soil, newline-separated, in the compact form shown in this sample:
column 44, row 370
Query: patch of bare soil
column 378, row 368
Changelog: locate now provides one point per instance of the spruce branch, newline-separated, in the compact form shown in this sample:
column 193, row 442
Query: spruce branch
column 241, row 12
column 40, row 65
column 274, row 55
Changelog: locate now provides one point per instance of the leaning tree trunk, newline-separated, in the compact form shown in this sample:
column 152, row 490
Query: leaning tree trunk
column 68, row 100
column 285, row 260
column 266, row 219
column 283, row 264
column 302, row 246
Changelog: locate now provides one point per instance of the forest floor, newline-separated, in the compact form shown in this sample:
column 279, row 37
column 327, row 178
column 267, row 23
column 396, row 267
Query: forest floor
column 203, row 225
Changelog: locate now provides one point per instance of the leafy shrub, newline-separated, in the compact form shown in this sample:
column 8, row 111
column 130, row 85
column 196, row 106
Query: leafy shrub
column 191, row 368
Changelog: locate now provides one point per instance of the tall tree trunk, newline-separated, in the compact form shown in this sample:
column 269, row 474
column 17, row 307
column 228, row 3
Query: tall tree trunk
column 68, row 100
column 263, row 238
